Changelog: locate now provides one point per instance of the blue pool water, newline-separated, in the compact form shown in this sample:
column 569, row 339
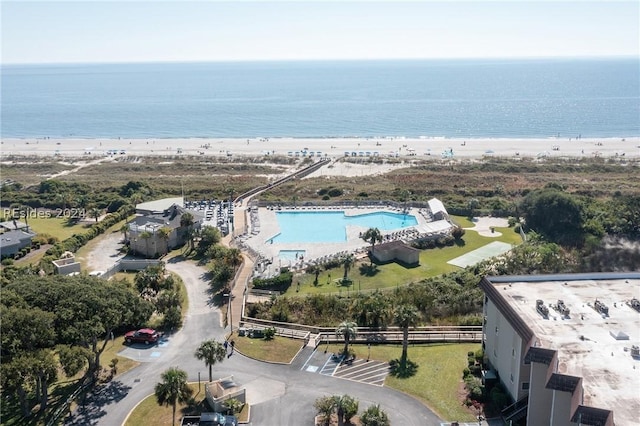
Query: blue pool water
column 330, row 226
column 292, row 255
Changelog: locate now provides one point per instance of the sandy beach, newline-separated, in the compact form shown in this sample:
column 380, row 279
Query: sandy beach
column 424, row 147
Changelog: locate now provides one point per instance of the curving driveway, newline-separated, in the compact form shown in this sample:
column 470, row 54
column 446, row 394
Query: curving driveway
column 278, row 394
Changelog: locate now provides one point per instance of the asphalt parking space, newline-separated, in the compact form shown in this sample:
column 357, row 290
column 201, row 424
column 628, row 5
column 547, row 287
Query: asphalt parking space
column 360, row 370
column 145, row 353
column 363, row 371
column 321, row 362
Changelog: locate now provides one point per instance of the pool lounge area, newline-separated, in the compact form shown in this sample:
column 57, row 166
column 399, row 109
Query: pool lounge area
column 307, row 238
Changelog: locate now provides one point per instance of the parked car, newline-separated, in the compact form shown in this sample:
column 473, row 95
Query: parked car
column 144, row 335
column 217, row 419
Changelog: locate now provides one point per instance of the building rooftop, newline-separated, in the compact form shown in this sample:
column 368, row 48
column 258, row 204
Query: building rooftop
column 591, row 343
column 159, row 206
column 11, row 238
column 436, row 206
column 12, row 225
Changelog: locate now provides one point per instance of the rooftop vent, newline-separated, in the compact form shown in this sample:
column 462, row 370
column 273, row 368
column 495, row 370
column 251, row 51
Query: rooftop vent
column 619, row 335
column 635, row 351
column 601, row 307
column 562, row 308
column 635, row 304
column 542, row 310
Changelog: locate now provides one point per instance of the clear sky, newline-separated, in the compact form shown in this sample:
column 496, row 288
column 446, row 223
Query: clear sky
column 143, row 31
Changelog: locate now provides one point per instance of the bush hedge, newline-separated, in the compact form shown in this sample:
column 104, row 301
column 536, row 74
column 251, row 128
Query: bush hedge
column 278, row 283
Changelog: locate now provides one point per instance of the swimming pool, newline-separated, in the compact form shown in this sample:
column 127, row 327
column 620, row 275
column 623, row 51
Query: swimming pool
column 330, row 226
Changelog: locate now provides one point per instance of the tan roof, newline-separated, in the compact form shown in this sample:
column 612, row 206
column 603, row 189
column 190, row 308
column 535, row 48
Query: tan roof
column 585, row 340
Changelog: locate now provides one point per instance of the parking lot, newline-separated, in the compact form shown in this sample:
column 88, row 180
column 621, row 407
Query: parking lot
column 359, row 370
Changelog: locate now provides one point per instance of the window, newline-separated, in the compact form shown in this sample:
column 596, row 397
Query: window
column 511, row 377
column 525, row 385
column 496, row 329
column 513, row 352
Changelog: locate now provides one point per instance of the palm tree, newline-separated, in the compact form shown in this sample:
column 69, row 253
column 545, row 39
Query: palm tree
column 234, row 406
column 346, row 407
column 186, row 221
column 146, row 236
column 324, row 407
column 173, row 389
column 374, row 416
column 233, row 257
column 164, row 233
column 95, row 213
column 405, row 316
column 211, row 352
column 124, row 229
column 25, row 210
column 347, row 263
column 315, row 269
column 472, row 205
column 371, row 310
column 373, row 236
column 348, row 330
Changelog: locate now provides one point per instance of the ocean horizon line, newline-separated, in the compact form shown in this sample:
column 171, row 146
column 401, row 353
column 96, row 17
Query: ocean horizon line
column 315, row 138
column 334, row 60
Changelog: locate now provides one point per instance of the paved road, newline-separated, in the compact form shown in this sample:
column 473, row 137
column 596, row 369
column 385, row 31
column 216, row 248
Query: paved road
column 279, row 394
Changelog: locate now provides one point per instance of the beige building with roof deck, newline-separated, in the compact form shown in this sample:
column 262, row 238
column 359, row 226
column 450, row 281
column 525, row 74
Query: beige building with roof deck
column 567, row 360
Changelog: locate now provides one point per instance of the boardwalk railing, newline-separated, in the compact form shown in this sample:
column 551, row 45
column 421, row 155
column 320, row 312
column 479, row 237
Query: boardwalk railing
column 427, row 334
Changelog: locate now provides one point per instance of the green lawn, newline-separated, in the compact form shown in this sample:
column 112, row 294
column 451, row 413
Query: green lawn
column 438, row 379
column 57, row 227
column 280, row 349
column 433, row 262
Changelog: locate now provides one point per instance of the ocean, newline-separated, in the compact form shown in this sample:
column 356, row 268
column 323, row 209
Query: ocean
column 412, row 98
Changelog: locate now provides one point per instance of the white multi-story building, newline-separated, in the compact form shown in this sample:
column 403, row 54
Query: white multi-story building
column 566, row 347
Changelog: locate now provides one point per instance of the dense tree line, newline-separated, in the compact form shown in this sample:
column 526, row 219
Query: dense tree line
column 55, row 193
column 52, row 323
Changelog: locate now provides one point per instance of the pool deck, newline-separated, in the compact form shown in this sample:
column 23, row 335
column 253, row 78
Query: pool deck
column 263, row 226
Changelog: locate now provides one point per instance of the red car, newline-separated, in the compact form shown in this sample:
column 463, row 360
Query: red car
column 144, row 335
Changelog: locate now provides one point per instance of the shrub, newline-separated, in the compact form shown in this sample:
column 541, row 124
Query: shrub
column 335, row 192
column 269, row 333
column 475, row 370
column 498, row 398
column 474, row 388
column 280, row 282
column 512, row 221
column 331, row 264
column 7, row 261
column 172, row 318
column 457, row 232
